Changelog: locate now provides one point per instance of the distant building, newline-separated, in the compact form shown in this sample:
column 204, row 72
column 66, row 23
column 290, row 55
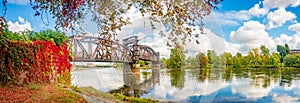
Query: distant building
column 294, row 52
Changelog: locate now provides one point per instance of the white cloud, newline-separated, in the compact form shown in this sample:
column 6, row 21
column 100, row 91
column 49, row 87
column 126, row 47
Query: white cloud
column 252, row 35
column 20, row 2
column 234, row 17
column 244, row 87
column 21, row 19
column 280, row 3
column 295, row 27
column 283, row 98
column 293, row 41
column 165, row 90
column 20, row 25
column 257, row 11
column 250, row 32
column 232, row 48
column 276, row 18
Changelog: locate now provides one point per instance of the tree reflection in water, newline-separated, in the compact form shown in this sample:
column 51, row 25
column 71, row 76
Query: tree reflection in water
column 260, row 77
column 133, row 85
column 177, row 77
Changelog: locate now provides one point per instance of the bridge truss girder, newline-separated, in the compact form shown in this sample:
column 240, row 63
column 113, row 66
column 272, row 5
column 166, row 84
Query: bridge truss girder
column 95, row 49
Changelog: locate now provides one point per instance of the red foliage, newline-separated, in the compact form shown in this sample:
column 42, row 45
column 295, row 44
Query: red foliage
column 39, row 61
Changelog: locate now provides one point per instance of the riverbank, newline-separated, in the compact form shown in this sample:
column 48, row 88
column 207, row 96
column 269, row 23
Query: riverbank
column 59, row 93
column 38, row 93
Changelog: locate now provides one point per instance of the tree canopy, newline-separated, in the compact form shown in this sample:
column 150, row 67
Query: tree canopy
column 178, row 16
column 177, row 57
column 283, row 51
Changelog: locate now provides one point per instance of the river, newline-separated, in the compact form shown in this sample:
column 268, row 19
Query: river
column 196, row 85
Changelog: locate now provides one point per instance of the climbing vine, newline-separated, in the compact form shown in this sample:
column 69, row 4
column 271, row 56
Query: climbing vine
column 34, row 57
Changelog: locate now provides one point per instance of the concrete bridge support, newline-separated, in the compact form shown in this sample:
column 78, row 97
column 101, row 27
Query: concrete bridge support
column 131, row 78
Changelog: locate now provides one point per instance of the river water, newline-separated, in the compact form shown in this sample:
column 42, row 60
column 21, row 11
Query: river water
column 196, row 85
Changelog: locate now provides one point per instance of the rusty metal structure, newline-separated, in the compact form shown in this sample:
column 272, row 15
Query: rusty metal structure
column 96, row 49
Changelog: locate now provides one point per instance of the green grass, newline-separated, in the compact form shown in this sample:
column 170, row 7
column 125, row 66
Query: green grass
column 90, row 91
column 115, row 97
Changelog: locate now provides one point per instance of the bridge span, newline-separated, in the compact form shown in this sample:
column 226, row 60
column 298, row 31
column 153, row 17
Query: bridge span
column 96, row 49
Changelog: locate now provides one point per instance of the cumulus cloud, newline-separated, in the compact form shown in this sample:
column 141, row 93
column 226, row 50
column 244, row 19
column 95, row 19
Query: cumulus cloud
column 20, row 25
column 295, row 27
column 165, row 91
column 258, row 11
column 20, row 2
column 283, row 98
column 280, row 3
column 252, row 35
column 276, row 18
column 235, row 17
column 293, row 41
column 251, row 31
column 244, row 87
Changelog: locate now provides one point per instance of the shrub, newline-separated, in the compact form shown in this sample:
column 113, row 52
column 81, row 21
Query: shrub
column 33, row 57
column 290, row 60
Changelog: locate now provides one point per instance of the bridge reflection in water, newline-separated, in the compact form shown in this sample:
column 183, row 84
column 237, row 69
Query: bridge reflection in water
column 133, row 85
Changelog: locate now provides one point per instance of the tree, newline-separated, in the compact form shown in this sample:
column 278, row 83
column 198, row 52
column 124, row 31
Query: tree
column 228, row 59
column 283, row 51
column 180, row 17
column 191, row 61
column 290, row 60
column 203, row 60
column 237, row 60
column 265, row 55
column 298, row 60
column 257, row 57
column 177, row 57
column 250, row 59
column 211, row 54
column 275, row 59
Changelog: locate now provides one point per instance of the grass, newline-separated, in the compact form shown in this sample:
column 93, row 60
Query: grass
column 115, row 97
column 56, row 93
column 38, row 93
column 133, row 99
column 90, row 91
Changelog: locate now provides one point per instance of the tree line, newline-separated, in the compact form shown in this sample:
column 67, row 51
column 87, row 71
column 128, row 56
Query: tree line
column 255, row 58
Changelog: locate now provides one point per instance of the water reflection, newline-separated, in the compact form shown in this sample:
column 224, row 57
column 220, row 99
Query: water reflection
column 177, row 78
column 133, row 85
column 204, row 85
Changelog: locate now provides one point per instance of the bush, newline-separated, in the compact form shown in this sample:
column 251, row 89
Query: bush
column 36, row 57
column 290, row 60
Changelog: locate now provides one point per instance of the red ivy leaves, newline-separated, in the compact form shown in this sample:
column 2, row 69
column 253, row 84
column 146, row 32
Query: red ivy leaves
column 39, row 61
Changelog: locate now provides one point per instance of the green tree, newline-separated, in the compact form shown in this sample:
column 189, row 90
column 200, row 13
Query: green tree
column 257, row 57
column 290, row 60
column 275, row 59
column 298, row 60
column 237, row 60
column 191, row 61
column 142, row 63
column 283, row 51
column 177, row 57
column 211, row 54
column 203, row 60
column 226, row 59
column 265, row 56
column 250, row 59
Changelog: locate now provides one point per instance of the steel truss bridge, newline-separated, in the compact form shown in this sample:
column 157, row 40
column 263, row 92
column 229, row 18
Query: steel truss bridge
column 96, row 49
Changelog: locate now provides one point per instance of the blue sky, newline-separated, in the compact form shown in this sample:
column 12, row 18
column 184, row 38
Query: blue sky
column 237, row 26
